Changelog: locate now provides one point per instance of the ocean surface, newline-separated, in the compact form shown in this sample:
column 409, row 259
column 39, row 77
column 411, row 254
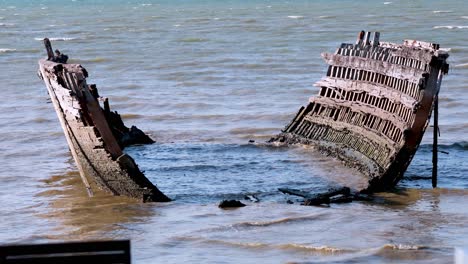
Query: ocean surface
column 203, row 78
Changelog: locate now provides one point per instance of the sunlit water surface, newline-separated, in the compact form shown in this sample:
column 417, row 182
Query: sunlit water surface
column 203, row 78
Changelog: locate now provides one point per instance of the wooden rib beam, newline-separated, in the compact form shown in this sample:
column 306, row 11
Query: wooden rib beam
column 382, row 67
column 399, row 122
column 373, row 135
column 374, row 89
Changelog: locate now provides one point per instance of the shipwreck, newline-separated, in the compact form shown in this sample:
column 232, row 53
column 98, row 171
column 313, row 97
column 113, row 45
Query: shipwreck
column 373, row 107
column 371, row 112
column 95, row 134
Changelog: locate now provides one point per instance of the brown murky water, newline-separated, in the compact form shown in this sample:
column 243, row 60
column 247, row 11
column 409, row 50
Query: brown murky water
column 204, row 77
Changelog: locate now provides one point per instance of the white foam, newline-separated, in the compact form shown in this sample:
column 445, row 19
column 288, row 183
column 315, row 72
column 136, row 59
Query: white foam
column 464, row 17
column 442, row 11
column 450, row 27
column 6, row 24
column 146, row 4
column 56, row 39
column 387, row 3
column 7, row 50
column 462, row 65
column 295, row 17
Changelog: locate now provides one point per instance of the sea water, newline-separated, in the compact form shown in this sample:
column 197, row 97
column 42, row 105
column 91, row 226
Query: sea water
column 203, row 78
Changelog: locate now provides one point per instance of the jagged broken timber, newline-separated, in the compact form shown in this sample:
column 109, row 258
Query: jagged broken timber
column 373, row 106
column 95, row 135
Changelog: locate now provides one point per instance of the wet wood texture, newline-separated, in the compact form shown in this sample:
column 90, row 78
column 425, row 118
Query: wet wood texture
column 373, row 106
column 92, row 143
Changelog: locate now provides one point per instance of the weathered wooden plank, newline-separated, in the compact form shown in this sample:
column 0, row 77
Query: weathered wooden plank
column 382, row 67
column 374, row 135
column 91, row 141
column 373, row 106
column 377, row 90
column 358, row 107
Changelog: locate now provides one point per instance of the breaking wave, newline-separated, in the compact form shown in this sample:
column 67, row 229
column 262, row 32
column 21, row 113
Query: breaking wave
column 450, row 27
column 7, row 50
column 259, row 245
column 462, row 66
column 57, row 39
column 402, row 247
column 308, row 248
column 296, row 17
column 323, row 249
column 442, row 11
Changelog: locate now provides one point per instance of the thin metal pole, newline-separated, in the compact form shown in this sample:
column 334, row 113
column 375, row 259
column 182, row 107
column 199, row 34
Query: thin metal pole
column 434, row 144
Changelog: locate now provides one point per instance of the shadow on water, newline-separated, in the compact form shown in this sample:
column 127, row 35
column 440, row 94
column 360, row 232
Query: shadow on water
column 84, row 217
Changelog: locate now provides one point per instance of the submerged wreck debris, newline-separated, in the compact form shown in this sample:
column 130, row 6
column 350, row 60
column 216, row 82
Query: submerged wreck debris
column 224, row 204
column 334, row 195
column 373, row 106
column 95, row 135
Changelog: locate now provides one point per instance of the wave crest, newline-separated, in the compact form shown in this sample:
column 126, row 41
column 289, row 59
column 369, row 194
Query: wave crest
column 321, row 249
column 7, row 50
column 403, row 247
column 450, row 27
column 57, row 39
column 462, row 66
column 296, row 17
column 278, row 221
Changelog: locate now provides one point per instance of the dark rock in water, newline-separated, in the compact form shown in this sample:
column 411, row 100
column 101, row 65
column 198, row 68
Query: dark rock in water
column 251, row 141
column 230, row 204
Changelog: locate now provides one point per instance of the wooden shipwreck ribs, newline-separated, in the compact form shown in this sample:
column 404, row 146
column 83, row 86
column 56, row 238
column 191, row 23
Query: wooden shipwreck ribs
column 373, row 106
column 371, row 112
column 95, row 135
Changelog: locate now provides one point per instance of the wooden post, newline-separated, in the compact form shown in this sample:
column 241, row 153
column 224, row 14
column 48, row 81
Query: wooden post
column 375, row 41
column 48, row 46
column 434, row 144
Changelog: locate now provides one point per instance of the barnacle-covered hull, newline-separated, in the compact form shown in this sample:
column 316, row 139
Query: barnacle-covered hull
column 373, row 106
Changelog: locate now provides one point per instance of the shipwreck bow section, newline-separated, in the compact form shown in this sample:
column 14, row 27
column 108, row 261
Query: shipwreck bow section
column 373, row 106
column 95, row 135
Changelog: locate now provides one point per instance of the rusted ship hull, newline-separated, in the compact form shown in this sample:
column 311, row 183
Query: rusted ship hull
column 373, row 106
column 91, row 140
